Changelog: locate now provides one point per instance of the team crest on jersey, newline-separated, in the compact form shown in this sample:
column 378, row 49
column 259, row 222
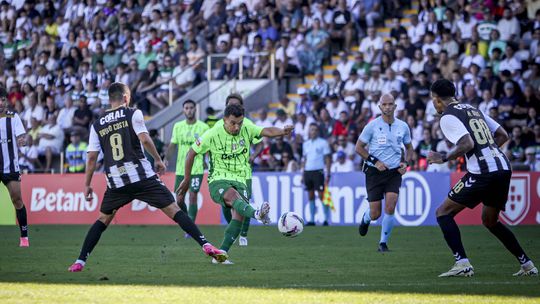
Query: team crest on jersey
column 518, row 203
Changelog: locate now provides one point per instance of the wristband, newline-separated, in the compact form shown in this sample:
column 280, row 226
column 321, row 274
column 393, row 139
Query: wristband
column 372, row 159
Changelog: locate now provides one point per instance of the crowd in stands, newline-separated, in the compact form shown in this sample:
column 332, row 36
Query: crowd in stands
column 58, row 58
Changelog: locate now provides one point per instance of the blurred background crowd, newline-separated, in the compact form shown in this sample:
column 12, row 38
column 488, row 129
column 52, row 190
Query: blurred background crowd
column 58, row 58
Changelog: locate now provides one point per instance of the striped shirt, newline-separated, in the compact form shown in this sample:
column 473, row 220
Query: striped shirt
column 11, row 127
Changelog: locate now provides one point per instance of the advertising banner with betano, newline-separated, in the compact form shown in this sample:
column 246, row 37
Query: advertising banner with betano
column 59, row 199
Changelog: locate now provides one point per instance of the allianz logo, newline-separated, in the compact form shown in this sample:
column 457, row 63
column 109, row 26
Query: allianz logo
column 414, row 202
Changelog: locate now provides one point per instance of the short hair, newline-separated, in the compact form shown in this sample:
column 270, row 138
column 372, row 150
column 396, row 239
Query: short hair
column 188, row 101
column 234, row 110
column 117, row 91
column 444, row 88
column 3, row 92
column 234, row 96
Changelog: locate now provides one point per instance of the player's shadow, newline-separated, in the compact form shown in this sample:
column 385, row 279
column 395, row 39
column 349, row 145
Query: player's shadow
column 322, row 259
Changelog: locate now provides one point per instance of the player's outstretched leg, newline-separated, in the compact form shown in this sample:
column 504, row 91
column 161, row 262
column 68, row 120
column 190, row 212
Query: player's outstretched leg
column 243, row 241
column 14, row 189
column 445, row 218
column 490, row 219
column 91, row 240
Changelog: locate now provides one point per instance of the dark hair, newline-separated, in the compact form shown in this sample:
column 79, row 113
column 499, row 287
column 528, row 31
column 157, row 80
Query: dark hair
column 117, row 91
column 188, row 101
column 234, row 110
column 444, row 88
column 234, row 96
column 3, row 92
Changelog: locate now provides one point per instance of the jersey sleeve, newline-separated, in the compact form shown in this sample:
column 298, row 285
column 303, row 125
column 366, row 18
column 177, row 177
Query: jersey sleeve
column 407, row 135
column 174, row 140
column 202, row 143
column 19, row 128
column 254, row 131
column 366, row 134
column 137, row 121
column 93, row 141
column 492, row 124
column 452, row 128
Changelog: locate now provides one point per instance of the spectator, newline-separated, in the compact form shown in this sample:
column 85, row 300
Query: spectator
column 345, row 146
column 282, row 119
column 337, row 85
column 426, row 145
column 516, row 147
column 28, row 156
column 473, row 58
column 231, row 63
column 51, row 139
column 416, row 31
column 487, row 103
column 76, row 154
column 276, row 153
column 371, row 46
column 508, row 26
column 263, row 120
column 344, row 66
column 289, row 164
column 319, row 87
column 510, row 62
column 531, row 161
column 316, row 48
column 301, row 128
column 306, row 104
column 287, row 105
column 342, row 26
column 287, row 58
column 342, row 163
column 34, row 110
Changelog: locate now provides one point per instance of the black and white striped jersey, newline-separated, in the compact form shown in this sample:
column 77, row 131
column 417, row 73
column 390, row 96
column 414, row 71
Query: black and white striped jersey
column 115, row 133
column 11, row 127
column 460, row 119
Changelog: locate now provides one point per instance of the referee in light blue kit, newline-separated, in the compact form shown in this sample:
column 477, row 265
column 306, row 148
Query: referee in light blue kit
column 383, row 165
column 316, row 156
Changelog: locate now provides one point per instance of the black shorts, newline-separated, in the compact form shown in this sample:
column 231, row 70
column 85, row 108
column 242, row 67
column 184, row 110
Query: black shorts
column 314, row 180
column 10, row 177
column 380, row 182
column 151, row 191
column 490, row 189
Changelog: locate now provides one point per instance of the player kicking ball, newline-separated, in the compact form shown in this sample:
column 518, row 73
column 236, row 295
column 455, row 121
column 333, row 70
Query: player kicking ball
column 120, row 133
column 229, row 157
column 478, row 138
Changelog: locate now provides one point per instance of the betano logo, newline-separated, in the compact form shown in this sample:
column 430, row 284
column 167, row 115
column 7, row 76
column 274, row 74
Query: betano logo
column 60, row 201
column 414, row 200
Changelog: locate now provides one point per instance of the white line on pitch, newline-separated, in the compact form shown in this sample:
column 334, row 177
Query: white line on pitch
column 411, row 284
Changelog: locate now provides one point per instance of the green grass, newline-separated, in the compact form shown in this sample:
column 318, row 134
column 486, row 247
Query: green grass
column 154, row 264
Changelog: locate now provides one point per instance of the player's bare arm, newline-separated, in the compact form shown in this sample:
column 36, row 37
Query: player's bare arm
column 464, row 145
column 275, row 132
column 363, row 152
column 500, row 136
column 91, row 160
column 148, row 145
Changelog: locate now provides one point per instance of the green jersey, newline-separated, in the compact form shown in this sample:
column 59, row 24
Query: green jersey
column 229, row 154
column 255, row 140
column 184, row 135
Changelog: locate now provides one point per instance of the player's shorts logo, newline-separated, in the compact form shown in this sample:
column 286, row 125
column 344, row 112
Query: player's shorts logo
column 414, row 200
column 518, row 203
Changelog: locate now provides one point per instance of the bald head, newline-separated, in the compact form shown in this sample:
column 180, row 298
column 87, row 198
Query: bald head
column 387, row 105
column 387, row 97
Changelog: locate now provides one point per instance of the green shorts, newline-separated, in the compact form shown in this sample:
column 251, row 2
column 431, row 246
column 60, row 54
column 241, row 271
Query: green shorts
column 194, row 185
column 219, row 187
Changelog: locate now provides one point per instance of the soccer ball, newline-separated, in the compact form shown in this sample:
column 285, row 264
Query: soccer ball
column 290, row 224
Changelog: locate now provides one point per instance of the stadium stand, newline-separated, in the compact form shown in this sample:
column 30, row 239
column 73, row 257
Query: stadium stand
column 58, row 58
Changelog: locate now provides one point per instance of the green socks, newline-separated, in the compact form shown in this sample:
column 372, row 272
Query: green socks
column 227, row 214
column 243, row 208
column 245, row 226
column 231, row 233
column 192, row 211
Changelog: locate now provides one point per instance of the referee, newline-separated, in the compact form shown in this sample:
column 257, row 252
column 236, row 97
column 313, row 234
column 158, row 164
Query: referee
column 383, row 165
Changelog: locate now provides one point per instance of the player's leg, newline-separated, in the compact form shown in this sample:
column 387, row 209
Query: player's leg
column 371, row 214
column 490, row 219
column 375, row 192
column 193, row 193
column 445, row 218
column 390, row 201
column 14, row 188
column 391, row 189
column 177, row 182
column 310, row 188
column 232, row 231
column 247, row 220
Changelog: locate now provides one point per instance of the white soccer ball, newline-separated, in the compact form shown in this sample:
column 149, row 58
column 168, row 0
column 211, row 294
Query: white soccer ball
column 290, row 224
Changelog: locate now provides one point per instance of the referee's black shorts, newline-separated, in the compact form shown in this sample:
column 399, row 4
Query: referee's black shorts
column 151, row 191
column 314, row 180
column 380, row 182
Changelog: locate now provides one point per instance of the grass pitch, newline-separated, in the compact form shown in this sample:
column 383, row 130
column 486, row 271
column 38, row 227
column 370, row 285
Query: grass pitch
column 155, row 264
